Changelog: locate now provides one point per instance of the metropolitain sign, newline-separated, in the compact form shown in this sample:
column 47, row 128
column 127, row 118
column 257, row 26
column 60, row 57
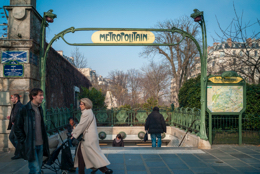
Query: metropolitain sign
column 123, row 37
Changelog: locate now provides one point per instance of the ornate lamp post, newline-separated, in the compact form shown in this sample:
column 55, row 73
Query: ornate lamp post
column 47, row 17
column 198, row 17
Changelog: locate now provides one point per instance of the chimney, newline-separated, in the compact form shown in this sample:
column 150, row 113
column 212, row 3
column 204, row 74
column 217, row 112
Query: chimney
column 249, row 42
column 209, row 48
column 60, row 52
column 229, row 41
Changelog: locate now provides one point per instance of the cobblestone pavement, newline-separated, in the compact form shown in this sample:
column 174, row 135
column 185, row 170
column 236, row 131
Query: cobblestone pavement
column 129, row 160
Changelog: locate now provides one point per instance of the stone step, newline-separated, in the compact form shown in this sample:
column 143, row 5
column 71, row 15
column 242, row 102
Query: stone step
column 148, row 150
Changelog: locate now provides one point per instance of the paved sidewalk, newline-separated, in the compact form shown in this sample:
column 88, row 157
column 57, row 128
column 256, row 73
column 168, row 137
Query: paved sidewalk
column 220, row 159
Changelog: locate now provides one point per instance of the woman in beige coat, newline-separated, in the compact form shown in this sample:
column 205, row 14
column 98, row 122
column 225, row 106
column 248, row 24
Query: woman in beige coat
column 88, row 153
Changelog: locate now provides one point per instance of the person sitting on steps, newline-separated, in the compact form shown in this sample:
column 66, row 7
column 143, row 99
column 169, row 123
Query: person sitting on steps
column 118, row 141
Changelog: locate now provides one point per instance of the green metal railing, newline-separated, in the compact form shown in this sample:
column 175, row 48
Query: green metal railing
column 225, row 129
column 181, row 117
column 59, row 117
column 126, row 117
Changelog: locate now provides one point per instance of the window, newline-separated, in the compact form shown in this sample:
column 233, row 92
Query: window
column 76, row 96
column 234, row 52
column 213, row 63
column 234, row 61
column 241, row 53
column 255, row 53
column 222, row 54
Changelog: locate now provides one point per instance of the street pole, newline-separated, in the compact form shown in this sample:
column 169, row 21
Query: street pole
column 47, row 17
column 199, row 17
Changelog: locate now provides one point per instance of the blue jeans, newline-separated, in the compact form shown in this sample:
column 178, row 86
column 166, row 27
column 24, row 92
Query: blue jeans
column 36, row 165
column 153, row 138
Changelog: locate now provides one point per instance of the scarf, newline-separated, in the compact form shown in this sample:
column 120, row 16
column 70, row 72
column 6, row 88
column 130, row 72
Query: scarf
column 118, row 141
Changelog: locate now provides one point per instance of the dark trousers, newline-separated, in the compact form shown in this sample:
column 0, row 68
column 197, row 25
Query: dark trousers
column 81, row 163
column 13, row 140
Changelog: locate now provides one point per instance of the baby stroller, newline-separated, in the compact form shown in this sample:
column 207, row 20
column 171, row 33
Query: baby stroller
column 53, row 163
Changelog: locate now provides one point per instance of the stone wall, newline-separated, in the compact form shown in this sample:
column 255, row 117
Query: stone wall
column 61, row 77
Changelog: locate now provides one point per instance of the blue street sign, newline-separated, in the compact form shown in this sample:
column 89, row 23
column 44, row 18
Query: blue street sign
column 19, row 56
column 13, row 69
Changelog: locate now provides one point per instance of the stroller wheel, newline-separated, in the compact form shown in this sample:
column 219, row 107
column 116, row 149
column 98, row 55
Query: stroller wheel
column 64, row 172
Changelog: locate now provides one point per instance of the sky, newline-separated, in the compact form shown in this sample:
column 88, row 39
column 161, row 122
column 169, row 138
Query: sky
column 131, row 14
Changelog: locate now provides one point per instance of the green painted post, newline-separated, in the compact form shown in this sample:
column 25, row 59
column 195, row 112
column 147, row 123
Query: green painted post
column 112, row 117
column 199, row 17
column 132, row 115
column 210, row 128
column 47, row 16
column 240, row 129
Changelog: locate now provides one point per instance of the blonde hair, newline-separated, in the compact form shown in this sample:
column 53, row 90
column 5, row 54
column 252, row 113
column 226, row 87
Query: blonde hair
column 88, row 103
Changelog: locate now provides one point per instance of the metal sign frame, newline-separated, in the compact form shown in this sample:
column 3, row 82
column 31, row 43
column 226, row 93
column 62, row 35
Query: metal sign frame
column 241, row 83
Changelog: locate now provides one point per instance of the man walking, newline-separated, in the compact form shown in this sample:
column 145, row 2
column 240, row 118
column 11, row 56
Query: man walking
column 155, row 125
column 30, row 131
column 15, row 99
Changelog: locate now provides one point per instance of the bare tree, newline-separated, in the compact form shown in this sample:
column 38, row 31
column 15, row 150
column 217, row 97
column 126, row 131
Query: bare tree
column 155, row 81
column 118, row 86
column 179, row 57
column 134, row 86
column 241, row 49
column 79, row 59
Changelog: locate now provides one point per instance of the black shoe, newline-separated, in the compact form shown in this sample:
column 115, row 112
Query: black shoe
column 15, row 157
column 109, row 171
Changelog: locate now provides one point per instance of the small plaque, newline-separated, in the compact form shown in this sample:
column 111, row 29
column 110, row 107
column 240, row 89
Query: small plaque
column 19, row 56
column 13, row 69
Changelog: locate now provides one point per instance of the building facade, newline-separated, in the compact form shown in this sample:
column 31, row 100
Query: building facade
column 242, row 57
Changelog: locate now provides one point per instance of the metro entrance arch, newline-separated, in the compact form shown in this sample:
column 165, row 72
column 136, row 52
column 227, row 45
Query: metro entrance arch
column 197, row 16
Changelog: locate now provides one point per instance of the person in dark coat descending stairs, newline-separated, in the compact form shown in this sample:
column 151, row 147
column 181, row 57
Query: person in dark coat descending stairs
column 155, row 125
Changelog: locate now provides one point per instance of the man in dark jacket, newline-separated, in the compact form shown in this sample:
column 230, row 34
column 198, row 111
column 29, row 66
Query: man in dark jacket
column 31, row 133
column 15, row 99
column 155, row 125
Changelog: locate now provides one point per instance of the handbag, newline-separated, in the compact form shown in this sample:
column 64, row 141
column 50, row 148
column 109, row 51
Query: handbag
column 146, row 137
